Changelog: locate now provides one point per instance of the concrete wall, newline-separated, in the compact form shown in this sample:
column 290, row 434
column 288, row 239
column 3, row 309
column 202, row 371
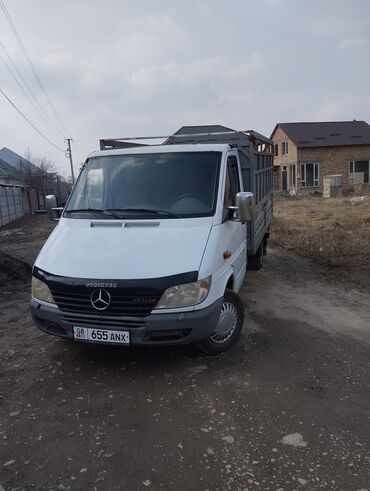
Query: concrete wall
column 14, row 203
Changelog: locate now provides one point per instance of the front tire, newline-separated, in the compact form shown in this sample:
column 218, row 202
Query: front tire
column 228, row 327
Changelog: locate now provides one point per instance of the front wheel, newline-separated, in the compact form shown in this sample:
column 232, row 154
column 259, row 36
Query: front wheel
column 228, row 328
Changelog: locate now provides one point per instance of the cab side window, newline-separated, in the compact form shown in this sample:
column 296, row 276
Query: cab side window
column 232, row 186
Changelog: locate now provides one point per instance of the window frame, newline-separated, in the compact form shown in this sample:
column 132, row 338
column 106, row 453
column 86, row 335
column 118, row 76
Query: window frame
column 315, row 173
column 352, row 164
column 139, row 215
column 284, row 147
column 293, row 182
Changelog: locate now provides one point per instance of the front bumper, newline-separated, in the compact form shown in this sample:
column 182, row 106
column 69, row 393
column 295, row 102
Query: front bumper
column 154, row 329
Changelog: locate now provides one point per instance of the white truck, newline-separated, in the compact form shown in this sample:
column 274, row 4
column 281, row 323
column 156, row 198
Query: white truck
column 153, row 244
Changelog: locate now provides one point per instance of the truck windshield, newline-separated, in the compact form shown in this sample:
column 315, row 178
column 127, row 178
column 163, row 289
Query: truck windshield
column 165, row 185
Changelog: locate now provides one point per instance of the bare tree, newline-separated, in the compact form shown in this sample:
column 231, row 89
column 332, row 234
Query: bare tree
column 25, row 169
column 41, row 174
column 37, row 172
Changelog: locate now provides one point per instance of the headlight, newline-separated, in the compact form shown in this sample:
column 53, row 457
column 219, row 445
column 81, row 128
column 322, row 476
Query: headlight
column 185, row 295
column 41, row 291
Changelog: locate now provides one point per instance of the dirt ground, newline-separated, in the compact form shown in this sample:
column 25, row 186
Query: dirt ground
column 335, row 233
column 24, row 238
column 287, row 408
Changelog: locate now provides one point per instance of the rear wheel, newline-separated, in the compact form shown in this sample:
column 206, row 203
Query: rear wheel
column 255, row 262
column 228, row 328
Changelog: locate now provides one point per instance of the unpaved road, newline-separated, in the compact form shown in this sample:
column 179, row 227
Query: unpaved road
column 88, row 417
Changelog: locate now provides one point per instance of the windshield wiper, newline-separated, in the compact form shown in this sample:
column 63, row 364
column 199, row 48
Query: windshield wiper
column 144, row 210
column 93, row 210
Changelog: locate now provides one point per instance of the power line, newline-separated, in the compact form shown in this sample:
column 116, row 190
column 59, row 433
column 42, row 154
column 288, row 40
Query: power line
column 30, row 95
column 30, row 122
column 83, row 141
column 31, row 65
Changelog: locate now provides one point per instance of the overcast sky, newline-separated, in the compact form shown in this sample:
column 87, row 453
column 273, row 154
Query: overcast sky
column 118, row 68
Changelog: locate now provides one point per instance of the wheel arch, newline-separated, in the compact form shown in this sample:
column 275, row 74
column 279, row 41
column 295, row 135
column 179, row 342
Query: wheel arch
column 230, row 283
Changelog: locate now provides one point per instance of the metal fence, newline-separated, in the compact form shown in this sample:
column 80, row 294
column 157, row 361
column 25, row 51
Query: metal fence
column 15, row 202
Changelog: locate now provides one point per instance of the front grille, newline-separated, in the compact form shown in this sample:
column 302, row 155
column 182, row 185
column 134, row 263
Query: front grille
column 101, row 322
column 121, row 305
column 128, row 298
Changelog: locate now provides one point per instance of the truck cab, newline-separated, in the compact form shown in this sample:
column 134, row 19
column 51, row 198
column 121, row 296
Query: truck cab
column 150, row 249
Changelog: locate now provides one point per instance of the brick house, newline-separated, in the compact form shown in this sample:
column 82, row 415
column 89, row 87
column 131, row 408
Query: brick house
column 307, row 152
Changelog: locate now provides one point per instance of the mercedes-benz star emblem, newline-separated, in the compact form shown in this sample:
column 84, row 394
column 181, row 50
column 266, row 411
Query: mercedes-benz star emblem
column 100, row 299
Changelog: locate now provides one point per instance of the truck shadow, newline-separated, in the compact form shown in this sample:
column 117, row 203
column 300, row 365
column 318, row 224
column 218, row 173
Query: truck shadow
column 92, row 357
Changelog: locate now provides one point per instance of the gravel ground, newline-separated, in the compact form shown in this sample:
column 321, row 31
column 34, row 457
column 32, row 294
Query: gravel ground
column 287, row 408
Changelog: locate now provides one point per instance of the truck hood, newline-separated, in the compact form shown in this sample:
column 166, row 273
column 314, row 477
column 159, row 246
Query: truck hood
column 125, row 249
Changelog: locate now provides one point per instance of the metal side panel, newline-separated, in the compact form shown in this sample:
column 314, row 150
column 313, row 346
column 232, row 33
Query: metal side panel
column 257, row 228
column 257, row 174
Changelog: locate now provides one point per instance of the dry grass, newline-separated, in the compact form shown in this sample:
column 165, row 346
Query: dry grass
column 335, row 232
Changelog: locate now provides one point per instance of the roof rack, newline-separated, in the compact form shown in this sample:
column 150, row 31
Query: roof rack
column 232, row 137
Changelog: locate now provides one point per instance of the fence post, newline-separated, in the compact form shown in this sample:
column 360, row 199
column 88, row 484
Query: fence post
column 15, row 206
column 7, row 204
column 20, row 199
column 1, row 208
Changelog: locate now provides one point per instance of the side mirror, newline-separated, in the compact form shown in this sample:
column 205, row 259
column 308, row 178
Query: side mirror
column 57, row 212
column 52, row 210
column 246, row 206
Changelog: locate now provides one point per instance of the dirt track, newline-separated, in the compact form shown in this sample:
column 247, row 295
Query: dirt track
column 91, row 417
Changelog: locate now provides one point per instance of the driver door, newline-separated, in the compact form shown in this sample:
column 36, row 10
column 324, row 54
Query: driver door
column 234, row 232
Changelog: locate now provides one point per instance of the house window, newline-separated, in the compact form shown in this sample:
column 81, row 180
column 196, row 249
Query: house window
column 352, row 171
column 275, row 178
column 284, row 148
column 276, row 150
column 310, row 175
column 359, row 171
column 284, row 178
column 292, row 176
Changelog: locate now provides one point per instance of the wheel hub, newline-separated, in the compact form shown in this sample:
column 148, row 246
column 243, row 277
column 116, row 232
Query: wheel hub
column 226, row 323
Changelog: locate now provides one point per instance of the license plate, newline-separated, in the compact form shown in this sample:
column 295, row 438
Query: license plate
column 101, row 335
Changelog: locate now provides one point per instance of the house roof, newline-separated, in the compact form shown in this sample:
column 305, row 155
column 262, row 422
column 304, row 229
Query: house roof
column 7, row 171
column 327, row 134
column 15, row 160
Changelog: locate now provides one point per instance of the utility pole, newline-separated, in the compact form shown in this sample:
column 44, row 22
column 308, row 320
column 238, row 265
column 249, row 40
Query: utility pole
column 69, row 154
